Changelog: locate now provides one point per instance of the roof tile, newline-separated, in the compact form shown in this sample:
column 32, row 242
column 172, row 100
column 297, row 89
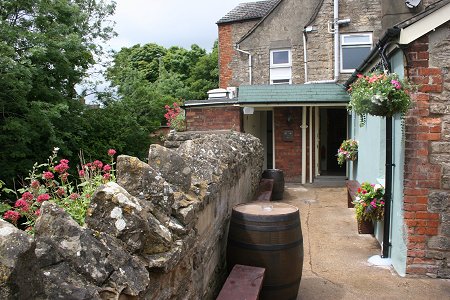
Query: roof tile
column 248, row 11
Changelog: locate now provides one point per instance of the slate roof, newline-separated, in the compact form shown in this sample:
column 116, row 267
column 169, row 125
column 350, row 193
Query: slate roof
column 293, row 93
column 249, row 11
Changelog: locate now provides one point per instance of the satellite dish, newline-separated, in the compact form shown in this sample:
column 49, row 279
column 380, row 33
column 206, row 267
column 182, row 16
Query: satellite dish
column 412, row 3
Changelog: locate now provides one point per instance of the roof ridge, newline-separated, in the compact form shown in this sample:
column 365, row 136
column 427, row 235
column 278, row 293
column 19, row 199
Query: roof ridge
column 275, row 5
column 248, row 11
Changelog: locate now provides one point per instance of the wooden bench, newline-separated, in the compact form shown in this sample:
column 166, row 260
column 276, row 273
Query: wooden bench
column 243, row 283
column 352, row 189
column 265, row 190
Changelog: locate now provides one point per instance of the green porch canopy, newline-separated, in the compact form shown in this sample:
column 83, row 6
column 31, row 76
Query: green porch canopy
column 293, row 93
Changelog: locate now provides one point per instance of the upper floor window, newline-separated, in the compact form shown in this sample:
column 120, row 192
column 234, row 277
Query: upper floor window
column 354, row 49
column 280, row 66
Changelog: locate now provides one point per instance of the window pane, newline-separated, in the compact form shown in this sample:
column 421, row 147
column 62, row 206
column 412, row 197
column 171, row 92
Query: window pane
column 352, row 57
column 280, row 57
column 356, row 39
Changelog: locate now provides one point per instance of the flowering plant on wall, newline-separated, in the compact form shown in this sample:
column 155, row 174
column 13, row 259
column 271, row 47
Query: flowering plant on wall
column 379, row 94
column 347, row 151
column 175, row 117
column 51, row 181
column 369, row 202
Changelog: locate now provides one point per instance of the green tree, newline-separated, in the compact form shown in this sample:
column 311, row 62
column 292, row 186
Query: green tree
column 46, row 49
column 175, row 72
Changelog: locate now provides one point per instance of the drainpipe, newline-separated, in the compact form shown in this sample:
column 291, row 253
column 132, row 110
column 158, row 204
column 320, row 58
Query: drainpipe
column 305, row 52
column 249, row 62
column 336, row 23
column 303, row 127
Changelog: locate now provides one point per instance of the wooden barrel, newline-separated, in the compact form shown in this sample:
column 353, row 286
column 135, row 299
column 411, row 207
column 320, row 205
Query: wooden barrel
column 278, row 182
column 268, row 235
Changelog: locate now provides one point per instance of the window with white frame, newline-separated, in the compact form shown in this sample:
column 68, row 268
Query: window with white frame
column 280, row 66
column 354, row 49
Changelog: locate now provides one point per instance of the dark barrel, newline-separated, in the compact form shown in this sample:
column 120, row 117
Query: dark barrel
column 268, row 235
column 278, row 182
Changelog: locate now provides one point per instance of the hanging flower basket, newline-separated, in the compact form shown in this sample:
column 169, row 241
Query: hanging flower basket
column 347, row 151
column 379, row 94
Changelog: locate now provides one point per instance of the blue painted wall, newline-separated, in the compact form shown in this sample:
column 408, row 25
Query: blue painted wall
column 371, row 167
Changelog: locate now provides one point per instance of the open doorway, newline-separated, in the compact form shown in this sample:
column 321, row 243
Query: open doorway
column 260, row 125
column 333, row 130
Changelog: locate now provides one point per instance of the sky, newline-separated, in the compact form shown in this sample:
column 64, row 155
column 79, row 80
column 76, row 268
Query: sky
column 169, row 22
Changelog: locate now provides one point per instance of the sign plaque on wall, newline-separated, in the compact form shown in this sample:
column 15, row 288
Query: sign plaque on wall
column 288, row 135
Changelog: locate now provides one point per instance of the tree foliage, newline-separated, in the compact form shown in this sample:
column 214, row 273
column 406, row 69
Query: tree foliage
column 174, row 72
column 45, row 50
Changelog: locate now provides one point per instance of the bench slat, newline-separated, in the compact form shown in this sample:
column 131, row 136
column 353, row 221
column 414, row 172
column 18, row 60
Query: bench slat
column 244, row 282
column 265, row 190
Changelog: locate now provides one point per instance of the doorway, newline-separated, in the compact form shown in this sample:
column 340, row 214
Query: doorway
column 260, row 125
column 333, row 130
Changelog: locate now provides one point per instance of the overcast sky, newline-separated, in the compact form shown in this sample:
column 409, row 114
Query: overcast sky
column 169, row 22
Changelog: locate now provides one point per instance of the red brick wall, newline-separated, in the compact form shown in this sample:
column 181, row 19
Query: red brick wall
column 213, row 118
column 288, row 154
column 422, row 178
column 226, row 53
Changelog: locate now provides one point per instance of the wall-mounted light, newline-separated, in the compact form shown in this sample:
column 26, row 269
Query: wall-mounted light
column 249, row 110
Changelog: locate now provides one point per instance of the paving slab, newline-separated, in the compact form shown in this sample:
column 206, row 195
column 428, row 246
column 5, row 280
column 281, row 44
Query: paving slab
column 336, row 257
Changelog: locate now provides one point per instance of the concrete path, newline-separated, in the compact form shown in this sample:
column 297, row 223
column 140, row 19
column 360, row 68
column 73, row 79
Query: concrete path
column 335, row 262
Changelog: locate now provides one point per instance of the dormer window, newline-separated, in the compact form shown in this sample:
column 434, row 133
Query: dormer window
column 354, row 49
column 280, row 66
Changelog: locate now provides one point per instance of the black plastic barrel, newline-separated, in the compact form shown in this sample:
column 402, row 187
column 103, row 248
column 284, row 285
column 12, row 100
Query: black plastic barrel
column 268, row 235
column 278, row 182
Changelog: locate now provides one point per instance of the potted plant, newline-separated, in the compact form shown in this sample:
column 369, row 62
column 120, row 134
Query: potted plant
column 379, row 94
column 369, row 206
column 347, row 151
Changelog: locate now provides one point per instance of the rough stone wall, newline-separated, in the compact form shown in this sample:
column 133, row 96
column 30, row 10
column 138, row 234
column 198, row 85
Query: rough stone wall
column 283, row 29
column 364, row 16
column 158, row 233
column 213, row 118
column 427, row 159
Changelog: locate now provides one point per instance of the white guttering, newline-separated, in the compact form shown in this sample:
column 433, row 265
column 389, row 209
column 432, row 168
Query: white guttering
column 425, row 25
column 317, row 124
column 336, row 23
column 249, row 63
column 310, row 144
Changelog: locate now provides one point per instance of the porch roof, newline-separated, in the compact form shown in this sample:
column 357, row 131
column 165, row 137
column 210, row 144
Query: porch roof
column 293, row 93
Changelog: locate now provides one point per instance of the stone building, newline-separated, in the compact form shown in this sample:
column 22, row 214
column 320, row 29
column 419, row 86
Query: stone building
column 286, row 60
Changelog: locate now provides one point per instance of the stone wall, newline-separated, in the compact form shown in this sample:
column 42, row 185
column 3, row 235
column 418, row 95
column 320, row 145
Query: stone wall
column 159, row 233
column 427, row 159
